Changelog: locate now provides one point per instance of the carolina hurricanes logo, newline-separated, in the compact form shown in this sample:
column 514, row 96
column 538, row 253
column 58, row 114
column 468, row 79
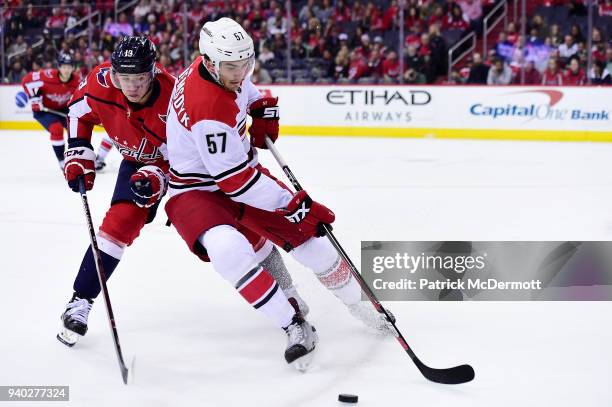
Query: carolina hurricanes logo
column 267, row 93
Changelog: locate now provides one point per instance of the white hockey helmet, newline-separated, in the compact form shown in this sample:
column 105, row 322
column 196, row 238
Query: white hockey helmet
column 225, row 40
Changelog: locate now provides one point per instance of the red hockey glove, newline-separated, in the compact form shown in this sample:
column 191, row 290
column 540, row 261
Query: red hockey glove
column 80, row 162
column 310, row 216
column 36, row 103
column 149, row 184
column 265, row 121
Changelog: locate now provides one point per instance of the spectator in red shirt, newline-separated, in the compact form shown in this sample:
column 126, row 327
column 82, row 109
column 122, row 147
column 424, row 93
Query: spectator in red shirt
column 342, row 13
column 374, row 18
column 375, row 63
column 413, row 19
column 57, row 19
column 605, row 8
column 454, row 20
column 574, row 75
column 390, row 15
column 437, row 16
column 391, row 68
column 358, row 67
column 552, row 76
column 365, row 47
column 532, row 76
column 425, row 48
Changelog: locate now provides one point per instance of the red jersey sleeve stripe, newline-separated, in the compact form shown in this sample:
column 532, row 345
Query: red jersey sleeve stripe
column 237, row 181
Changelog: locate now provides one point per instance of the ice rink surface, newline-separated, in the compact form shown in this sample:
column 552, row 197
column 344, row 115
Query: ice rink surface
column 198, row 344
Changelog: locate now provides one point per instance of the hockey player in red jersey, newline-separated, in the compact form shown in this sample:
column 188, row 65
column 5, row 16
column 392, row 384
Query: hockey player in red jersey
column 217, row 186
column 52, row 89
column 129, row 96
column 49, row 91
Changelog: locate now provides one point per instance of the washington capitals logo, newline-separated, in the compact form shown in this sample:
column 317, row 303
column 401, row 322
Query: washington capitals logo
column 101, row 76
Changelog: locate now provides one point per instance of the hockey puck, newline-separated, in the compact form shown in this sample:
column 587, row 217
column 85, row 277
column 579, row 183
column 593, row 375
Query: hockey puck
column 348, row 398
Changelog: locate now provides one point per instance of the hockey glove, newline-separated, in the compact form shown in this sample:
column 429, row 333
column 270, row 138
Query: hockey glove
column 36, row 104
column 308, row 215
column 265, row 121
column 149, row 184
column 80, row 162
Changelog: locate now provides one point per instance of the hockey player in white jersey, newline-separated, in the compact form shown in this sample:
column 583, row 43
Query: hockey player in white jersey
column 217, row 186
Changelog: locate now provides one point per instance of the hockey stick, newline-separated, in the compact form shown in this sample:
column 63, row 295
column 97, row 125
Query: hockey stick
column 57, row 112
column 452, row 375
column 102, row 280
column 65, row 115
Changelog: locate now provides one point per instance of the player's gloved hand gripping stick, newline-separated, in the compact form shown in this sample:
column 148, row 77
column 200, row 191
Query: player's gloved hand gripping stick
column 125, row 372
column 452, row 375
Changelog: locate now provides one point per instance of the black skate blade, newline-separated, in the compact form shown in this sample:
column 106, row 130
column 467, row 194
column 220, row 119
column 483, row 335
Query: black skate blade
column 299, row 357
column 295, row 352
column 68, row 337
column 59, row 338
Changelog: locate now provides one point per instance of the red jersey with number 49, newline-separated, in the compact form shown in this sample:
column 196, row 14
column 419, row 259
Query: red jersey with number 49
column 137, row 130
column 46, row 83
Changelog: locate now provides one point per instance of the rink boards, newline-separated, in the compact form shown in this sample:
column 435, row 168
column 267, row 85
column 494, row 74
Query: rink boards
column 451, row 112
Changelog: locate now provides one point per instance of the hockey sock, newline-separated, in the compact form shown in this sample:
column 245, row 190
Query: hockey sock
column 233, row 258
column 56, row 131
column 276, row 267
column 86, row 284
column 59, row 151
column 320, row 256
column 105, row 146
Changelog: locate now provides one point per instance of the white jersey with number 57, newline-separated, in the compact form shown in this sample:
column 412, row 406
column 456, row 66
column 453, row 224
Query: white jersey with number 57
column 207, row 143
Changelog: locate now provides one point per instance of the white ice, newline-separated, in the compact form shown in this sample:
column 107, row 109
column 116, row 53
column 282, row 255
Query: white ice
column 197, row 343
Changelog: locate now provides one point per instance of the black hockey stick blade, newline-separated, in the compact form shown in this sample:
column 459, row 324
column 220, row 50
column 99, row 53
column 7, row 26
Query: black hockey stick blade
column 452, row 375
column 124, row 373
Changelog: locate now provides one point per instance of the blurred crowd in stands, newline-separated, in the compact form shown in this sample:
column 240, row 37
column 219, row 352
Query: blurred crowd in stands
column 331, row 41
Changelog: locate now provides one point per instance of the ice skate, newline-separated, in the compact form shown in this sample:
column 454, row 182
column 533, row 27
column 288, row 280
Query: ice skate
column 301, row 342
column 74, row 320
column 100, row 164
column 366, row 313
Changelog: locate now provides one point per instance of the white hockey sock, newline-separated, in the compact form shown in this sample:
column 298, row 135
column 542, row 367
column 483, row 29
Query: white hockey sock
column 105, row 146
column 320, row 256
column 107, row 245
column 233, row 257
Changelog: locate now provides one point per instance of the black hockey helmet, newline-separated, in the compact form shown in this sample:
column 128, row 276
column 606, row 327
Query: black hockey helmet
column 134, row 55
column 64, row 58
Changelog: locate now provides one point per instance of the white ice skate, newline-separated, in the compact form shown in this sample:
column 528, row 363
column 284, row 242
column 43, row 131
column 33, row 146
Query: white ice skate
column 301, row 342
column 74, row 320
